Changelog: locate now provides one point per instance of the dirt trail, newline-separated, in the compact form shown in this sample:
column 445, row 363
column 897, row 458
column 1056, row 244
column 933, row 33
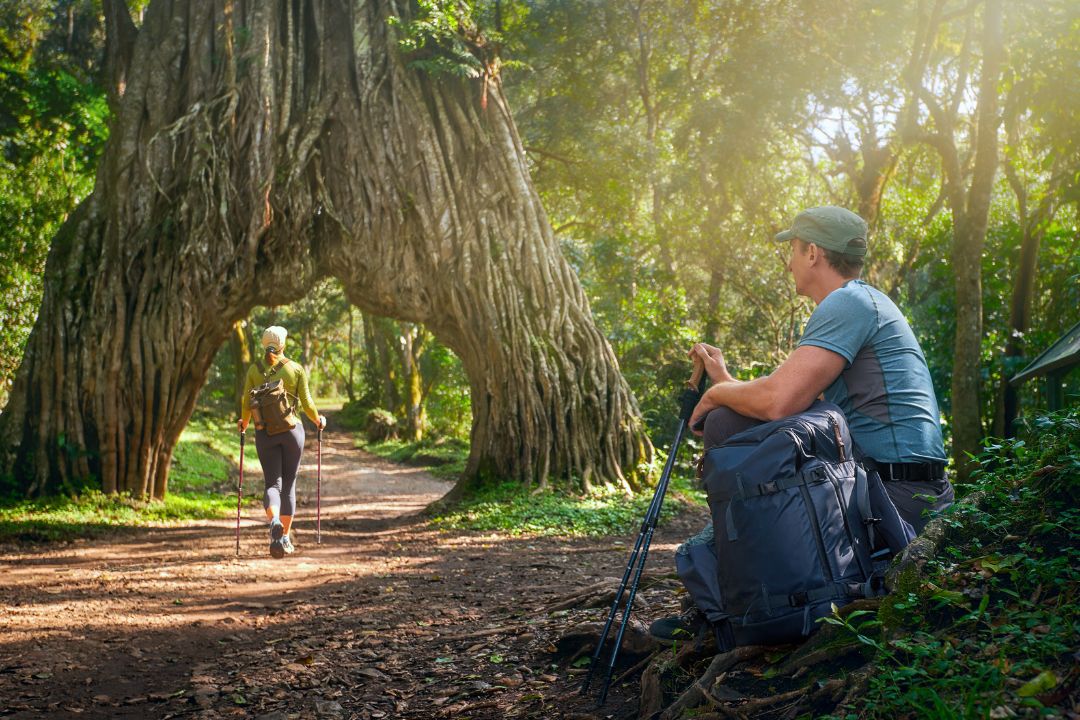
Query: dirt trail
column 389, row 617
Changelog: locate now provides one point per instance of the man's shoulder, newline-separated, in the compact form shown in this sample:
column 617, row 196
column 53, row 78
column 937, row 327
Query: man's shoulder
column 852, row 297
column 855, row 291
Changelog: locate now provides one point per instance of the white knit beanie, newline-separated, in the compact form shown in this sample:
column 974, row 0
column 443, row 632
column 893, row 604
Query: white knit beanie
column 274, row 336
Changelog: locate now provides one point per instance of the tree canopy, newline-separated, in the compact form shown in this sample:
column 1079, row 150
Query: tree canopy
column 668, row 142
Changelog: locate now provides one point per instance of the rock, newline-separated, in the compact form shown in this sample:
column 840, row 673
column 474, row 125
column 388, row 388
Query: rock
column 328, row 708
column 372, row 673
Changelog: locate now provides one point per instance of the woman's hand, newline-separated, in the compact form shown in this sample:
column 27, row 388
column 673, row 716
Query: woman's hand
column 713, row 360
column 241, row 425
column 322, row 422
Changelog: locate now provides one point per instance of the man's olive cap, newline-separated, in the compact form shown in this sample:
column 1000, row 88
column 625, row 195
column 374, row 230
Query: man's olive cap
column 829, row 227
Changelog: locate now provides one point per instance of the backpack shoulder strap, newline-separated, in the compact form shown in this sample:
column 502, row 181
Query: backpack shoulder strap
column 267, row 374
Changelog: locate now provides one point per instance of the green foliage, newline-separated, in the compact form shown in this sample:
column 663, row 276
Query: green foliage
column 513, row 509
column 462, row 38
column 994, row 620
column 53, row 126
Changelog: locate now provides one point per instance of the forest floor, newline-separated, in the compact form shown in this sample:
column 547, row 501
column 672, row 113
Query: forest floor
column 390, row 616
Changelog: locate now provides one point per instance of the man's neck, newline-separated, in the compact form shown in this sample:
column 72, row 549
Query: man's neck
column 828, row 282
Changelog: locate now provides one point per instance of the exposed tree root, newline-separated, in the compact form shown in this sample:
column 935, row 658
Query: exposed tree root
column 696, row 693
column 924, row 547
column 581, row 639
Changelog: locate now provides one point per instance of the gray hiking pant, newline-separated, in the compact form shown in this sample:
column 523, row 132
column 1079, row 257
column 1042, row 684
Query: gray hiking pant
column 918, row 501
column 280, row 457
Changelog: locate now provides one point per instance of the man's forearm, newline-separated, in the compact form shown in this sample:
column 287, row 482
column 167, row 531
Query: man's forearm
column 753, row 398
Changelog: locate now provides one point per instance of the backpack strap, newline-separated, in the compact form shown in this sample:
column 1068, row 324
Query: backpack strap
column 864, row 465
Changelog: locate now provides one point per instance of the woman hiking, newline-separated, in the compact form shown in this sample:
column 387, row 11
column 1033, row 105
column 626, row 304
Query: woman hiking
column 280, row 444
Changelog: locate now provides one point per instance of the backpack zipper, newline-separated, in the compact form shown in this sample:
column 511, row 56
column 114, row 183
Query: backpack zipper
column 839, row 440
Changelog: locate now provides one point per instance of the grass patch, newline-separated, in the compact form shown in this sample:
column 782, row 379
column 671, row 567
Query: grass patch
column 990, row 628
column 207, row 455
column 516, row 510
column 94, row 513
column 202, row 485
column 444, row 457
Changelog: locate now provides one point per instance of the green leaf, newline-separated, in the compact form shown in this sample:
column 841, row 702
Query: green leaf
column 1044, row 681
column 582, row 661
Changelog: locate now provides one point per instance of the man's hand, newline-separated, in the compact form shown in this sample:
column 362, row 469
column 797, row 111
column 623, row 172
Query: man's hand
column 322, row 422
column 713, row 359
column 705, row 405
column 241, row 425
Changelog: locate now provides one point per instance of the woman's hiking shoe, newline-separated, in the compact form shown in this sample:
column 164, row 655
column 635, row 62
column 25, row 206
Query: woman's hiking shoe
column 680, row 627
column 277, row 531
column 287, row 545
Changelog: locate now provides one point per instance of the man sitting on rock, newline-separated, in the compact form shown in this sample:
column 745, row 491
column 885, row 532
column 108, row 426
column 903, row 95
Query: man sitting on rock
column 858, row 352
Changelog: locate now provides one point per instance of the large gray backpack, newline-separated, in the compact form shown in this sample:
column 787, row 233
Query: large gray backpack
column 796, row 521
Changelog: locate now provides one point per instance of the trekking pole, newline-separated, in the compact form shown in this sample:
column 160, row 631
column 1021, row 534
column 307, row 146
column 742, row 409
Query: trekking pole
column 239, row 493
column 687, row 402
column 318, row 493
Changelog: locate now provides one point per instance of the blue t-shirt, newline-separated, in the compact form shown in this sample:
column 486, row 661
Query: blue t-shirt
column 885, row 390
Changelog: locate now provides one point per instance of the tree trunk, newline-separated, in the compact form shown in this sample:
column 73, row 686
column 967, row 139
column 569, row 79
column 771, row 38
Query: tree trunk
column 261, row 147
column 350, row 380
column 1033, row 224
column 411, row 347
column 381, row 373
column 969, row 237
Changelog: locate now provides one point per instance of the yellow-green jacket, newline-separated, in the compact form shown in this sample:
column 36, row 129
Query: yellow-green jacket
column 293, row 376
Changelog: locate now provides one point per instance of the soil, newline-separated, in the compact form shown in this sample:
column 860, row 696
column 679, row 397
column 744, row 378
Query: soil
column 389, row 617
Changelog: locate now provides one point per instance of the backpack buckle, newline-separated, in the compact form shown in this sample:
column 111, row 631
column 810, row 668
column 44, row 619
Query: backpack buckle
column 798, row 599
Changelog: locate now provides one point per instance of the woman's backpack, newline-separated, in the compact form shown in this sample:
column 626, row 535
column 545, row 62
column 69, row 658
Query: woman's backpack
column 796, row 523
column 270, row 407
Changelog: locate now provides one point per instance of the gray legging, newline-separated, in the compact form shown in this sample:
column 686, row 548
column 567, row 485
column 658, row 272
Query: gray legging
column 280, row 457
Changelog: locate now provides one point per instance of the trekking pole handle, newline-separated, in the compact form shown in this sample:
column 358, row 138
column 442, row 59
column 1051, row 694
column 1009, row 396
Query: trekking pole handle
column 695, row 388
column 694, row 383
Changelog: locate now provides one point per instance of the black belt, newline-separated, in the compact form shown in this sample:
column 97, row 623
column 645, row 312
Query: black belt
column 909, row 472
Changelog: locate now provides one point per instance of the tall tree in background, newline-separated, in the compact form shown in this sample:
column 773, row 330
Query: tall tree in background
column 968, row 200
column 256, row 148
